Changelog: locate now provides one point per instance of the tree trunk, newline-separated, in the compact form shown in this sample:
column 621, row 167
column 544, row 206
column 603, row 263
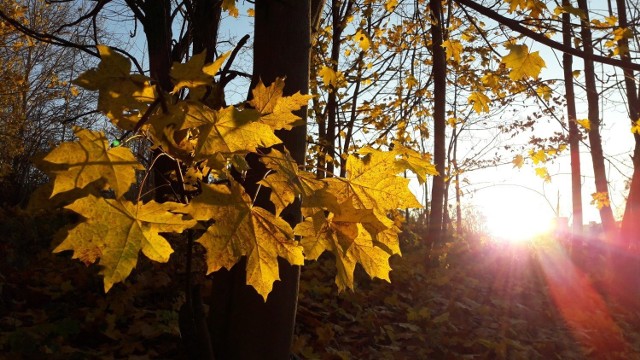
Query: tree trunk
column 630, row 231
column 243, row 326
column 595, row 141
column 439, row 122
column 574, row 133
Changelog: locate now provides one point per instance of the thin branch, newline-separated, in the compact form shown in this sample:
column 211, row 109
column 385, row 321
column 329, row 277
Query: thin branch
column 46, row 38
column 224, row 75
column 541, row 38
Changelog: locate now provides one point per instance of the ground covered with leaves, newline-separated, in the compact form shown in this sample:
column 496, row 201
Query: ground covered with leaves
column 480, row 301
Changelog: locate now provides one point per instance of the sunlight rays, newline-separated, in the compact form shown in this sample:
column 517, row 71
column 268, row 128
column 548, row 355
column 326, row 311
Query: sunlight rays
column 581, row 306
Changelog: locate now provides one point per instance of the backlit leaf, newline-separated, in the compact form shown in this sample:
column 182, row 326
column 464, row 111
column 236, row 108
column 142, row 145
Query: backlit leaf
column 362, row 40
column 241, row 229
column 480, row 102
column 348, row 240
column 230, row 7
column 229, row 130
column 286, row 182
column 453, row 49
column 518, row 161
column 123, row 97
column 372, row 183
column 194, row 73
column 543, row 173
column 115, row 231
column 522, row 63
column 600, row 199
column 390, row 5
column 585, row 123
column 78, row 164
column 328, row 76
column 277, row 110
column 419, row 164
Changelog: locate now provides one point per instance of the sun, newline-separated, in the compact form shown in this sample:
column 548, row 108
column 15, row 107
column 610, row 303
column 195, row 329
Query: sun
column 512, row 220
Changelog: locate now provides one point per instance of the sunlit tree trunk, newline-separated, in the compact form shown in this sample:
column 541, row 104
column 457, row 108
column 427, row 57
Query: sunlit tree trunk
column 439, row 122
column 630, row 231
column 574, row 133
column 595, row 141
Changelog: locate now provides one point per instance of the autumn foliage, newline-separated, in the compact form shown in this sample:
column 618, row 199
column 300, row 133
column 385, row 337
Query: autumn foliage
column 93, row 177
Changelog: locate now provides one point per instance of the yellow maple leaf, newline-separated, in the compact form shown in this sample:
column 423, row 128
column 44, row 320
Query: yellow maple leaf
column 362, row 40
column 276, row 110
column 600, row 199
column 411, row 81
column 230, row 7
column 372, row 183
column 228, row 131
column 346, row 237
column 453, row 49
column 241, row 229
column 194, row 73
column 490, row 80
column 611, row 20
column 585, row 123
column 543, row 173
column 75, row 165
column 390, row 5
column 480, row 102
column 518, row 161
column 409, row 159
column 115, row 231
column 522, row 63
column 123, row 97
column 635, row 128
column 287, row 182
column 328, row 76
column 544, row 92
column 622, row 33
column 538, row 157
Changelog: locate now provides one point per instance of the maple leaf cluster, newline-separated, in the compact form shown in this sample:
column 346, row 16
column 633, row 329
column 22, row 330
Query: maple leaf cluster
column 352, row 217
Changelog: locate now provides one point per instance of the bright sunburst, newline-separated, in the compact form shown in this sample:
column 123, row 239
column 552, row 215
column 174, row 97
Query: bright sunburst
column 512, row 218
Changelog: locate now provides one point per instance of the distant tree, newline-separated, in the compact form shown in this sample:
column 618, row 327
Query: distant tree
column 38, row 103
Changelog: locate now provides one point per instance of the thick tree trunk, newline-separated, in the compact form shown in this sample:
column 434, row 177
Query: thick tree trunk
column 595, row 141
column 630, row 231
column 243, row 326
column 439, row 122
column 574, row 133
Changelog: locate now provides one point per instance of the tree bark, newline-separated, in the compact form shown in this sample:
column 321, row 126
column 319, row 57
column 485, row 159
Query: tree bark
column 243, row 326
column 439, row 122
column 630, row 230
column 574, row 133
column 595, row 141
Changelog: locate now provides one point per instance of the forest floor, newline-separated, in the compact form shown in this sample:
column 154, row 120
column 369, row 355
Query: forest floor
column 489, row 301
